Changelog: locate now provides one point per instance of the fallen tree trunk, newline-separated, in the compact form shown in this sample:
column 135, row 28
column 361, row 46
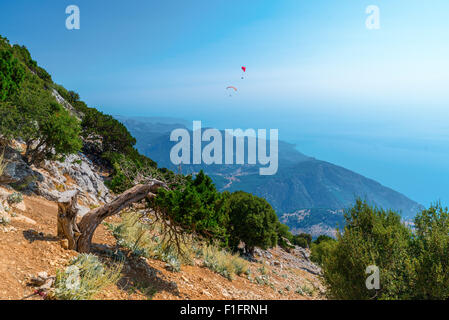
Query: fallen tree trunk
column 80, row 235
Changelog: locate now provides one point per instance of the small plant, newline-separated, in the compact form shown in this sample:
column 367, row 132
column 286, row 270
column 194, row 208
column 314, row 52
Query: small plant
column 263, row 280
column 84, row 278
column 263, row 270
column 14, row 198
column 223, row 263
column 304, row 290
column 4, row 220
column 143, row 288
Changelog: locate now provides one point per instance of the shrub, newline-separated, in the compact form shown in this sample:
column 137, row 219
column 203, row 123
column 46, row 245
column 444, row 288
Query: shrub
column 322, row 250
column 285, row 238
column 431, row 247
column 195, row 206
column 114, row 135
column 142, row 239
column 15, row 197
column 223, row 262
column 48, row 130
column 322, row 238
column 371, row 237
column 252, row 220
column 84, row 278
column 11, row 74
column 303, row 240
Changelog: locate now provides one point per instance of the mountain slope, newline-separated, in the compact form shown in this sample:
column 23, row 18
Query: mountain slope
column 302, row 182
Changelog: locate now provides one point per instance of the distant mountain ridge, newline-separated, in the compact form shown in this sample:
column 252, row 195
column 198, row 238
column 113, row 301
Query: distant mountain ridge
column 309, row 195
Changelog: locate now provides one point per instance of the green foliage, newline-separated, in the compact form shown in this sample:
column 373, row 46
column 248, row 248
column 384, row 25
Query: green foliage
column 431, row 247
column 129, row 168
column 11, row 74
column 113, row 135
column 24, row 55
column 321, row 250
column 47, row 129
column 322, row 238
column 303, row 240
column 285, row 238
column 252, row 220
column 15, row 198
column 371, row 237
column 196, row 206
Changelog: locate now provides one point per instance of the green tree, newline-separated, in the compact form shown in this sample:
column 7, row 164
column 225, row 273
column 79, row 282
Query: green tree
column 322, row 249
column 34, row 116
column 11, row 75
column 431, row 244
column 196, row 206
column 252, row 220
column 113, row 135
column 322, row 238
column 303, row 240
column 371, row 237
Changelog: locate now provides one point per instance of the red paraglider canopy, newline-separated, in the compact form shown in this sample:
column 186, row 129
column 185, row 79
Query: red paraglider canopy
column 244, row 69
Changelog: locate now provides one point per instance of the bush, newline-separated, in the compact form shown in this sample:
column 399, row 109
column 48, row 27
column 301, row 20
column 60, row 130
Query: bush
column 114, row 136
column 15, row 197
column 223, row 262
column 285, row 238
column 252, row 220
column 371, row 237
column 84, row 278
column 431, row 247
column 34, row 116
column 11, row 74
column 321, row 250
column 303, row 240
column 142, row 239
column 195, row 206
column 322, row 238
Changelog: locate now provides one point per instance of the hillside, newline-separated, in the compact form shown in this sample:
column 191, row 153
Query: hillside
column 30, row 246
column 320, row 188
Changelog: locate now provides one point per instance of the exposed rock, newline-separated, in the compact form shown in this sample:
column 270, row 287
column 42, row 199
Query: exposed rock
column 66, row 105
column 18, row 173
column 20, row 206
column 22, row 218
column 75, row 173
column 5, row 218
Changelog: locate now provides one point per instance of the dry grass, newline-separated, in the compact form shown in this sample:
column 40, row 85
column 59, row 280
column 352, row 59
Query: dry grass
column 144, row 239
column 223, row 262
column 84, row 278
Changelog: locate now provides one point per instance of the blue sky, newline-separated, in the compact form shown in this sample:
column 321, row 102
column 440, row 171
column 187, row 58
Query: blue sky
column 374, row 101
